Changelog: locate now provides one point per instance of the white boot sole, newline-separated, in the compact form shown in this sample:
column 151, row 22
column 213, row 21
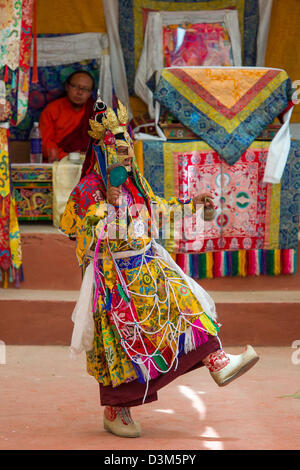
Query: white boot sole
column 133, row 430
column 224, row 377
column 240, row 372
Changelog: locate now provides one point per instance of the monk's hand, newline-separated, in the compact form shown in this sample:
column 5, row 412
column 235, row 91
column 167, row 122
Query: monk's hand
column 114, row 194
column 53, row 155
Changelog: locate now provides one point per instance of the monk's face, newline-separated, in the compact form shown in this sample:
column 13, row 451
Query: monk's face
column 79, row 89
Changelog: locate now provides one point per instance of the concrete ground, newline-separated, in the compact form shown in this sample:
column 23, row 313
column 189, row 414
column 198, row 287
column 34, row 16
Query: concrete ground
column 49, row 402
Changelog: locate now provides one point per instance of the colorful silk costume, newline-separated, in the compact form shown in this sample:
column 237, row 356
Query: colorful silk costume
column 147, row 313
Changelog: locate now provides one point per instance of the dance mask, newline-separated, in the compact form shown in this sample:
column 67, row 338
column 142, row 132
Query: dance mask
column 111, row 141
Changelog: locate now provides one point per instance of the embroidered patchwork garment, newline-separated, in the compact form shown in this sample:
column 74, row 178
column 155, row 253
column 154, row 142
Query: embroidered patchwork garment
column 226, row 107
column 133, row 19
column 256, row 227
column 143, row 333
column 10, row 243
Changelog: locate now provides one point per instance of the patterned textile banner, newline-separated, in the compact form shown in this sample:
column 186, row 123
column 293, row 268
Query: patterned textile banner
column 256, row 227
column 226, row 107
column 10, row 31
column 133, row 19
column 10, row 243
column 24, row 65
column 15, row 37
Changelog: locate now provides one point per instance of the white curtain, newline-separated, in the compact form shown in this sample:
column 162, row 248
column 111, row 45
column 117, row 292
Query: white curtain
column 61, row 50
column 265, row 8
column 118, row 71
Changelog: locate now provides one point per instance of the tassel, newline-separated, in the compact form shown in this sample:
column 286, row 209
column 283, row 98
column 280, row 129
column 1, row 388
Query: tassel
column 108, row 301
column 235, row 263
column 190, row 265
column 209, row 265
column 202, row 265
column 264, row 262
column 167, row 354
column 1, row 276
column 10, row 279
column 180, row 261
column 189, row 344
column 195, row 266
column 200, row 337
column 6, row 74
column 251, row 262
column 140, row 377
column 13, row 80
column 22, row 273
column 154, row 373
column 270, row 262
column 288, row 261
column 122, row 293
column 218, row 264
column 209, row 325
column 144, row 370
column 5, row 282
column 160, row 362
column 242, row 263
column 225, row 269
column 17, row 283
column 229, row 262
column 277, row 264
column 181, row 344
column 221, row 258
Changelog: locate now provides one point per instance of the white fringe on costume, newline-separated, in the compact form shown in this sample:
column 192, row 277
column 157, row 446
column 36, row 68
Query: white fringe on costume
column 82, row 316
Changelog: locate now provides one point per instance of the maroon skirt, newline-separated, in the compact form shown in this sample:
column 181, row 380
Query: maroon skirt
column 132, row 393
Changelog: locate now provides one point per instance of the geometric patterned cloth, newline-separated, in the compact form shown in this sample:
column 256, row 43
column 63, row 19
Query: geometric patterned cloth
column 133, row 19
column 256, row 223
column 226, row 107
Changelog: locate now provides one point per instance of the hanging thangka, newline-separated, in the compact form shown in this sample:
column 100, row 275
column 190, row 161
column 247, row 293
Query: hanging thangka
column 15, row 37
column 24, row 64
column 133, row 19
column 255, row 230
column 10, row 243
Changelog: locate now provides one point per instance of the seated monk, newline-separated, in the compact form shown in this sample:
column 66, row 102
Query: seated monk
column 64, row 122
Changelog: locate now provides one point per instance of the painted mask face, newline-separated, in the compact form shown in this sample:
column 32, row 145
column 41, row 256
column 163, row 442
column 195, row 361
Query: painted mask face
column 110, row 130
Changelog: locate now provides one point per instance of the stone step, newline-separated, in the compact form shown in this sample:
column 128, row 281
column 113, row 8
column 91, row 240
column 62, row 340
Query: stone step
column 50, row 262
column 43, row 317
